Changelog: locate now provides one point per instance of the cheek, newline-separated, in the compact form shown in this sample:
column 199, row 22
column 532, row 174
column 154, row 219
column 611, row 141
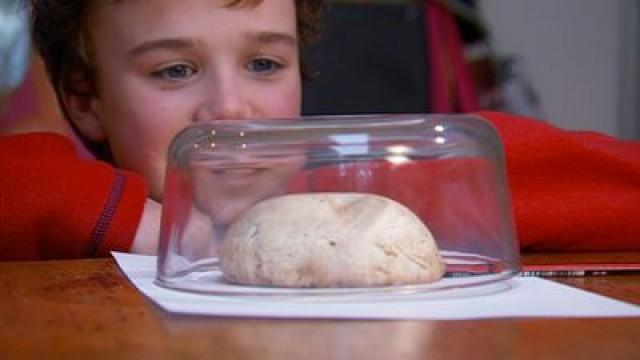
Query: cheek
column 142, row 120
column 285, row 101
column 140, row 128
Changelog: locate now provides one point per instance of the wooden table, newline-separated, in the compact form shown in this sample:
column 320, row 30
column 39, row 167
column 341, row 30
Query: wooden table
column 86, row 309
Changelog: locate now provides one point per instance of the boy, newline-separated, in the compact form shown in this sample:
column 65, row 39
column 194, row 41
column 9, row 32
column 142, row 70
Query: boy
column 137, row 75
column 154, row 72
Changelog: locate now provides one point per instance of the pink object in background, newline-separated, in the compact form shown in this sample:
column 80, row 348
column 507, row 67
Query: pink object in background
column 22, row 103
column 33, row 107
column 451, row 85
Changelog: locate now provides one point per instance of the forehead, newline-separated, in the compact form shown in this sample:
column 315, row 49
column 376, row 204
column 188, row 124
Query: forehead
column 227, row 3
column 143, row 18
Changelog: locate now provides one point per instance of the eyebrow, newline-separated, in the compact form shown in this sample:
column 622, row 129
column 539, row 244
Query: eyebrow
column 269, row 37
column 173, row 43
column 263, row 37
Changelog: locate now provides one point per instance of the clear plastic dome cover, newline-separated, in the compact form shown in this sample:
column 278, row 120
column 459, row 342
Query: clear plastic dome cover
column 336, row 204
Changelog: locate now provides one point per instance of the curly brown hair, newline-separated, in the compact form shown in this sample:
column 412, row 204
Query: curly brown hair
column 60, row 34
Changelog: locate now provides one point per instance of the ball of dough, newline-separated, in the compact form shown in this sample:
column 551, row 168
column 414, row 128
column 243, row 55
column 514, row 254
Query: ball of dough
column 329, row 240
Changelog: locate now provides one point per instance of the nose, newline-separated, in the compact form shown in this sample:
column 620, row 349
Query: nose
column 223, row 98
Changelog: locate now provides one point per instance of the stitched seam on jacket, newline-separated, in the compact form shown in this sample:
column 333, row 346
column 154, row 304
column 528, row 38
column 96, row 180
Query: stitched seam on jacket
column 106, row 216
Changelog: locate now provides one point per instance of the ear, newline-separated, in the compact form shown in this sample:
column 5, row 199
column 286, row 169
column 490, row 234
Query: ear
column 83, row 111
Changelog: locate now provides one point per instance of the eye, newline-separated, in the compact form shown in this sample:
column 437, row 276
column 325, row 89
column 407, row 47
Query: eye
column 263, row 66
column 174, row 72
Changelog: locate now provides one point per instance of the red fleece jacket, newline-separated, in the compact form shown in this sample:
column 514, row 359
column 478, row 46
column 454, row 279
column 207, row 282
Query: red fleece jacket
column 55, row 205
column 571, row 191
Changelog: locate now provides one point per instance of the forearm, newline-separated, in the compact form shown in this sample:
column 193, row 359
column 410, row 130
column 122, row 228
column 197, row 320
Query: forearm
column 148, row 232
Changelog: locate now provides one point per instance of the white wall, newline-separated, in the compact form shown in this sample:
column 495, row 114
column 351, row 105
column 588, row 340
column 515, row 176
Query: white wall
column 572, row 50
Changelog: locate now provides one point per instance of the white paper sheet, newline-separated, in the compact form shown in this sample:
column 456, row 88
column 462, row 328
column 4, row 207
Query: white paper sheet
column 519, row 297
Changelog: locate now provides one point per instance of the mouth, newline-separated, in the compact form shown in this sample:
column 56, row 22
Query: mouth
column 237, row 178
column 238, row 171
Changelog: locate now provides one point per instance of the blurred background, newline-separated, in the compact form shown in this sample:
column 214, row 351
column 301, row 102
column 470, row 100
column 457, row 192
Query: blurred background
column 572, row 63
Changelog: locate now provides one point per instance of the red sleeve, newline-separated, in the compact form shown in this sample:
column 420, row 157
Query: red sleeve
column 572, row 191
column 56, row 205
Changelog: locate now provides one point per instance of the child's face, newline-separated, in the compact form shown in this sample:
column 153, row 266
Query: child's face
column 164, row 64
